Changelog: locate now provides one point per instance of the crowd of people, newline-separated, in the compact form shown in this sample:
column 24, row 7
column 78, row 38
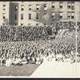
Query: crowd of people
column 24, row 33
column 32, row 51
column 19, row 33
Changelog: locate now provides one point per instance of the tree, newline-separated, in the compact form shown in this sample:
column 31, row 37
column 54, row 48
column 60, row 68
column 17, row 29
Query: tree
column 6, row 22
column 46, row 17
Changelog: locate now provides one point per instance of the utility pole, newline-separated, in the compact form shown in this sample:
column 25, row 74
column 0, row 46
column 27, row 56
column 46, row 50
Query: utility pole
column 76, row 36
column 76, row 27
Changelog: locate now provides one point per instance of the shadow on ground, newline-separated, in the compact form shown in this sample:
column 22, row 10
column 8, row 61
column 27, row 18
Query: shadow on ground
column 24, row 70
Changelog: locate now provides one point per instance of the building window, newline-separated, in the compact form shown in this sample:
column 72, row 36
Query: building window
column 37, row 16
column 3, row 17
column 69, row 6
column 22, row 9
column 60, row 17
column 44, row 5
column 4, row 5
column 4, row 9
column 68, row 17
column 29, row 8
column 72, row 7
column 37, row 8
column 15, row 23
column 44, row 24
column 29, row 16
column 52, row 16
column 61, row 6
column 22, row 16
column 72, row 17
column 37, row 24
column 53, row 6
column 21, row 24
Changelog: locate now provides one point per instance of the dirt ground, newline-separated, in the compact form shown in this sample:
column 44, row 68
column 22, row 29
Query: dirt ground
column 24, row 70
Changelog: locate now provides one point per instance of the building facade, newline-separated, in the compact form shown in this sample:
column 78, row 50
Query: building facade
column 34, row 13
column 4, row 12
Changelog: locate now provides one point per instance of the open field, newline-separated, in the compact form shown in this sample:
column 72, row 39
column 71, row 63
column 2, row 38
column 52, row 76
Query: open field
column 63, row 44
column 54, row 69
column 24, row 70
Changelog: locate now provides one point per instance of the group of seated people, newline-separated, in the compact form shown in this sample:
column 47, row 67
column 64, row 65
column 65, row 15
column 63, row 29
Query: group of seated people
column 20, row 53
column 31, row 52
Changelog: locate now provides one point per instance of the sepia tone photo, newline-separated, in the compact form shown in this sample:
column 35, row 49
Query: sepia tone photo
column 40, row 38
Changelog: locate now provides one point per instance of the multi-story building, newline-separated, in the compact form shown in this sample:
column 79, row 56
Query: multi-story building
column 32, row 13
column 4, row 12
